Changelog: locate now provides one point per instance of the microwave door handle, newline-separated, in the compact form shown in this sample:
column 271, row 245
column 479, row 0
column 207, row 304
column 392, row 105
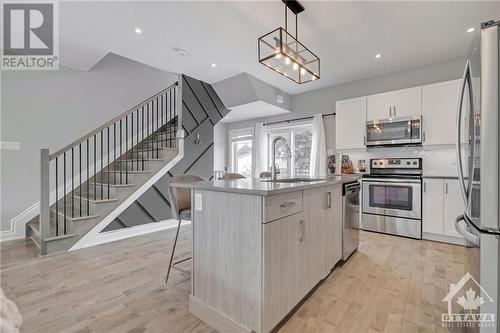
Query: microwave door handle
column 461, row 226
column 459, row 134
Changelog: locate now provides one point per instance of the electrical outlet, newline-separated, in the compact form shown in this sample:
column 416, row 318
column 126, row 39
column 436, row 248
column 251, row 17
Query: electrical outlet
column 7, row 145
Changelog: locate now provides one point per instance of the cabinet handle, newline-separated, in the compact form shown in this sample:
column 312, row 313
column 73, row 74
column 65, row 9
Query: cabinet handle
column 394, row 110
column 302, row 230
column 364, row 140
column 390, row 112
column 287, row 204
column 446, row 188
column 423, row 136
column 329, row 197
column 425, row 187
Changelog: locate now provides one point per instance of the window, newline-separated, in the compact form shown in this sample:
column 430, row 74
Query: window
column 299, row 138
column 241, row 142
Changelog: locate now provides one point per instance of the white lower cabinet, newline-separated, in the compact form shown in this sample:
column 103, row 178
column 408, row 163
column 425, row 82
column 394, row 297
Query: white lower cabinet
column 442, row 203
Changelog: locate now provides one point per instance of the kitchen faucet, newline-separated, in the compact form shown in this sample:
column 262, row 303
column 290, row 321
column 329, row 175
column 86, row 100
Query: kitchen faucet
column 273, row 154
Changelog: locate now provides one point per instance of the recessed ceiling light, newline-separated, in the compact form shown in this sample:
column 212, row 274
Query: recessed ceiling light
column 214, row 65
column 471, row 29
column 378, row 55
column 138, row 30
column 180, row 51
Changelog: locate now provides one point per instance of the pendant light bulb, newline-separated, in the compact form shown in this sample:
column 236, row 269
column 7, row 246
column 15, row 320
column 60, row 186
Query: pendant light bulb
column 302, row 71
column 295, row 66
column 287, row 61
column 278, row 56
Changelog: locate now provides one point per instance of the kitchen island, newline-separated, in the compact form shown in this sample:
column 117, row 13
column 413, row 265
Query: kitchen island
column 260, row 247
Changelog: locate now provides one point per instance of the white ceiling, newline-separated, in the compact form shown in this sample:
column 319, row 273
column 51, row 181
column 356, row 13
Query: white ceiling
column 345, row 35
column 254, row 110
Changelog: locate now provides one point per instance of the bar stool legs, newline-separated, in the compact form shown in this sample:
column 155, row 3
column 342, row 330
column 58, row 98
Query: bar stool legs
column 172, row 264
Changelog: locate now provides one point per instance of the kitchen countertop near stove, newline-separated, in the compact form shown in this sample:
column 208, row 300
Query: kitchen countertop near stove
column 257, row 187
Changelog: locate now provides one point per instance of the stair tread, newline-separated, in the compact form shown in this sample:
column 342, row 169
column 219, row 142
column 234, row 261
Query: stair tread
column 97, row 200
column 112, row 185
column 129, row 171
column 77, row 216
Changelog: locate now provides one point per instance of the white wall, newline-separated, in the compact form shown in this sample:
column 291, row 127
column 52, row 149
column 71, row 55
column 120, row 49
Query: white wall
column 49, row 109
column 220, row 146
column 323, row 100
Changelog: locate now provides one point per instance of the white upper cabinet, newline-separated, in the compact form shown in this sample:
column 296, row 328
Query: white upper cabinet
column 395, row 104
column 350, row 122
column 439, row 109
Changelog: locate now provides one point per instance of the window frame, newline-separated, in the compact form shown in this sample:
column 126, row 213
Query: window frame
column 240, row 132
column 290, row 128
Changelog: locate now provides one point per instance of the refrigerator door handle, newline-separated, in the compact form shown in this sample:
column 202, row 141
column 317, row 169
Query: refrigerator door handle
column 459, row 134
column 461, row 226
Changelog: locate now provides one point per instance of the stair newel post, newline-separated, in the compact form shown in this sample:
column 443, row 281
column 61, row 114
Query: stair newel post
column 44, row 199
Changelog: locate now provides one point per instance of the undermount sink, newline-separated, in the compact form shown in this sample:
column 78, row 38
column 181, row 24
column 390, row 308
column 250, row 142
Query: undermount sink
column 293, row 180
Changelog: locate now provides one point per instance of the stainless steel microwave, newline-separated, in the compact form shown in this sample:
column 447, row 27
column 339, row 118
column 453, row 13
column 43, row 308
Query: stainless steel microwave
column 395, row 131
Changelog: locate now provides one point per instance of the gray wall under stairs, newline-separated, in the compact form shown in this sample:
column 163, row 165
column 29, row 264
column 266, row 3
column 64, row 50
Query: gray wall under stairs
column 201, row 110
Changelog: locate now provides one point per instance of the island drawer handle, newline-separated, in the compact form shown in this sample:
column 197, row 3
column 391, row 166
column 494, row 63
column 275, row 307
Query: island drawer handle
column 302, row 230
column 288, row 204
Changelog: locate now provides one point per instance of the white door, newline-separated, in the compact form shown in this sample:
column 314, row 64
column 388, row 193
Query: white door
column 407, row 102
column 350, row 123
column 377, row 107
column 432, row 206
column 395, row 104
column 453, row 206
column 439, row 109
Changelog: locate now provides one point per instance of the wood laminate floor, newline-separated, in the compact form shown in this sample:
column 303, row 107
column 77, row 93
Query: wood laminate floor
column 390, row 284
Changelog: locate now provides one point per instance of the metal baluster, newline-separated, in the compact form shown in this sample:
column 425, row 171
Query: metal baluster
column 80, row 175
column 142, row 141
column 57, row 199
column 88, row 179
column 64, row 191
column 137, row 140
column 107, row 152
column 156, row 138
column 162, row 124
column 147, row 125
column 95, row 169
column 169, row 119
column 120, row 164
column 132, row 134
column 72, row 182
column 102, row 169
column 126, row 149
column 114, row 152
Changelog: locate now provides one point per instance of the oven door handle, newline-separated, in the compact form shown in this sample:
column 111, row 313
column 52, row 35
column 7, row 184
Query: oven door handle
column 391, row 181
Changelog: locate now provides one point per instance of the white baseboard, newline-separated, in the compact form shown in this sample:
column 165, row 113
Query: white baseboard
column 116, row 235
column 443, row 238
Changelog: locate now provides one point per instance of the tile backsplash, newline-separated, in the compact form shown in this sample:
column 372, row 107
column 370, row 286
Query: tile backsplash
column 437, row 161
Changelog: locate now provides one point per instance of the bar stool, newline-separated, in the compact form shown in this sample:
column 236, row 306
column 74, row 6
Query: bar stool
column 232, row 175
column 181, row 209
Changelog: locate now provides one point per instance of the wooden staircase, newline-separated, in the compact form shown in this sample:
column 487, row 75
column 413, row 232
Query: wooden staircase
column 118, row 157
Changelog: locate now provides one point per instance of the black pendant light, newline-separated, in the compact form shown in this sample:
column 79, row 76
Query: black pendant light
column 283, row 53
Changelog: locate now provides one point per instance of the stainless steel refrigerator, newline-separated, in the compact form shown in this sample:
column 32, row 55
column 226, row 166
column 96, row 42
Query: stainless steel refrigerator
column 478, row 154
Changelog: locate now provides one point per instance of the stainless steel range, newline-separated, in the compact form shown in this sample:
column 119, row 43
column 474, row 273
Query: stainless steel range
column 392, row 197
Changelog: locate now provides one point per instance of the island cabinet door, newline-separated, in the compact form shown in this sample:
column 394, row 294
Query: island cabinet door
column 334, row 226
column 315, row 202
column 282, row 272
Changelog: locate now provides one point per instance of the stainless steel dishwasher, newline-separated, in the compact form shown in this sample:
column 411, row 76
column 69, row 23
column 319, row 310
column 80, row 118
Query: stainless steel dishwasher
column 350, row 218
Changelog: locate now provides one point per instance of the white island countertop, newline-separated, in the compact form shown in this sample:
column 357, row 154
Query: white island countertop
column 258, row 187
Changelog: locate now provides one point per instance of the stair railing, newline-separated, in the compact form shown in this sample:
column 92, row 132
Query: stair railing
column 83, row 171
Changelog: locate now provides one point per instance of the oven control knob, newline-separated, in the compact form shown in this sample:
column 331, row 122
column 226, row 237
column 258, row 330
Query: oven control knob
column 408, row 163
column 414, row 163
